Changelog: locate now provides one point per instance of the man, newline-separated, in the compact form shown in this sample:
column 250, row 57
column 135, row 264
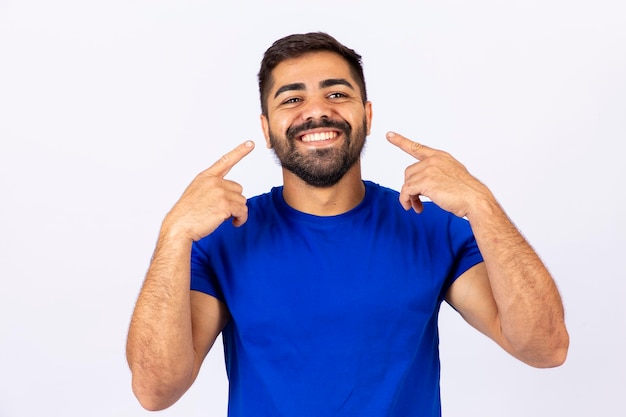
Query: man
column 327, row 289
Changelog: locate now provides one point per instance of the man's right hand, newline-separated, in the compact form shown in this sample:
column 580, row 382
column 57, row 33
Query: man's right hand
column 210, row 199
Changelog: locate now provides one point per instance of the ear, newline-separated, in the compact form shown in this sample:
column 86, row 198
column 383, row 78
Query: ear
column 368, row 115
column 266, row 131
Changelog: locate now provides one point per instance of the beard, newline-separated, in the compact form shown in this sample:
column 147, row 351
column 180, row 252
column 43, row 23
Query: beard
column 320, row 167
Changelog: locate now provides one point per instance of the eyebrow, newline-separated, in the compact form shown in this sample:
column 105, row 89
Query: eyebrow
column 323, row 84
column 335, row 81
column 290, row 87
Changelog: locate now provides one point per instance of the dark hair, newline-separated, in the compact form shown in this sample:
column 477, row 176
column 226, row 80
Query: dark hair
column 293, row 46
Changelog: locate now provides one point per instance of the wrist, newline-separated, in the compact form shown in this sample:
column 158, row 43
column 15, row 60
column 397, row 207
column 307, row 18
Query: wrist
column 175, row 231
column 485, row 207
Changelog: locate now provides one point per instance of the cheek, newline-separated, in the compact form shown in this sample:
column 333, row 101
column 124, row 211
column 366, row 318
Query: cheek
column 354, row 114
column 278, row 124
column 281, row 126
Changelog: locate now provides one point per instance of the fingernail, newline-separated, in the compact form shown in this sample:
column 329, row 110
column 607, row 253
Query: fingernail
column 390, row 134
column 248, row 144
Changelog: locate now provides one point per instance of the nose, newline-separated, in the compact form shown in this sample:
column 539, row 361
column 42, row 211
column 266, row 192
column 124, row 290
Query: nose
column 316, row 108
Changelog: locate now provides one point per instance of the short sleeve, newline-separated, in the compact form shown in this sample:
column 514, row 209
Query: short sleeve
column 203, row 278
column 464, row 248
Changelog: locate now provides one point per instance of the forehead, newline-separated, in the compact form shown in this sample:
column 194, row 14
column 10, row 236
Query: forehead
column 309, row 68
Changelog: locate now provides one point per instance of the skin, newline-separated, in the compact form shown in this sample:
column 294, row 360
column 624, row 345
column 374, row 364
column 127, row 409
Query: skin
column 173, row 328
column 510, row 297
column 315, row 101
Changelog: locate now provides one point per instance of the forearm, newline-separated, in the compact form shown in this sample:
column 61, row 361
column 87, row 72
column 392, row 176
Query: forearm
column 527, row 317
column 163, row 351
column 160, row 348
column 530, row 310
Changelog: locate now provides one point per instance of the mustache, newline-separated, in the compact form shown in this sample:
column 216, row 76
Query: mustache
column 294, row 131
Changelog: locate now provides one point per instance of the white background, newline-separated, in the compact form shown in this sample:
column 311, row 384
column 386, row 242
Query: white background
column 109, row 108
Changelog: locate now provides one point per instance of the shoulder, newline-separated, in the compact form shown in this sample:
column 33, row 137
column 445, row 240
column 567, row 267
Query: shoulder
column 265, row 199
column 383, row 196
column 378, row 190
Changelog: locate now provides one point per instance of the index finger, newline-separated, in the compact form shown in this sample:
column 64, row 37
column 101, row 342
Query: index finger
column 413, row 148
column 229, row 160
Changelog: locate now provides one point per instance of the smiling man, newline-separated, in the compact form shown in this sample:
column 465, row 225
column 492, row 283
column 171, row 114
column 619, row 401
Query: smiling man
column 316, row 144
column 327, row 289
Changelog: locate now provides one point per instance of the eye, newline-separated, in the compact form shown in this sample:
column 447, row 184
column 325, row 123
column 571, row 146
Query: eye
column 337, row 94
column 292, row 100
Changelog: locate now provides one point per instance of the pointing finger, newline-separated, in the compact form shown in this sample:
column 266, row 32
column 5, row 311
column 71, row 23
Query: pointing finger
column 229, row 160
column 414, row 149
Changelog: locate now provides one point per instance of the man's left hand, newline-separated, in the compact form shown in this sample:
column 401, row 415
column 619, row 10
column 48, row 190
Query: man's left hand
column 438, row 176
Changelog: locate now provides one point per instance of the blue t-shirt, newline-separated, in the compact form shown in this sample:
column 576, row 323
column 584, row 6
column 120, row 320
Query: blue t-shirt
column 337, row 315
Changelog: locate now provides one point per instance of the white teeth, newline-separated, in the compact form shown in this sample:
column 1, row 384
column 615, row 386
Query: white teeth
column 316, row 137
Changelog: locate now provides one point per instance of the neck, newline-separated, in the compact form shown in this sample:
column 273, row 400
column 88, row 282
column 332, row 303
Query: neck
column 328, row 201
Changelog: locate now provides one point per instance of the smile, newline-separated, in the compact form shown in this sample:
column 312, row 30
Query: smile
column 318, row 136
